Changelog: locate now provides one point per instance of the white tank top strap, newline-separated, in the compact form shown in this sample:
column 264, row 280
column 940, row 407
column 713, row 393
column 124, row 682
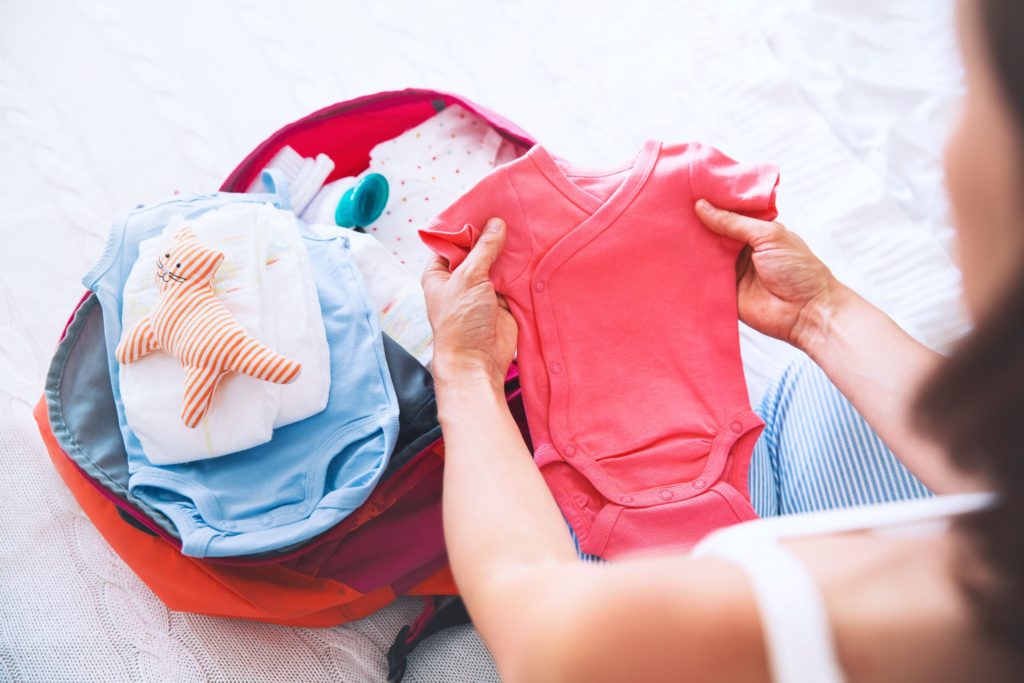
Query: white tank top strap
column 793, row 617
column 796, row 626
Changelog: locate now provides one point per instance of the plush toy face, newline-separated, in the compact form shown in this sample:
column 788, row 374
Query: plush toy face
column 186, row 262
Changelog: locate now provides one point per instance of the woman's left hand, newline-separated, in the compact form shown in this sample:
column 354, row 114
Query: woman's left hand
column 473, row 328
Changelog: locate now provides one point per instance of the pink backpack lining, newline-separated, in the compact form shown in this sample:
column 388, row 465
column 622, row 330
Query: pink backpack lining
column 347, row 131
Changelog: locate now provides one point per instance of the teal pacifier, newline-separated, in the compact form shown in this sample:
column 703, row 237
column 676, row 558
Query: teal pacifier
column 363, row 203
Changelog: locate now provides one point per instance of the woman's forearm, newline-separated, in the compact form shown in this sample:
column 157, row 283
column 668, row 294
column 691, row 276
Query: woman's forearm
column 878, row 367
column 499, row 515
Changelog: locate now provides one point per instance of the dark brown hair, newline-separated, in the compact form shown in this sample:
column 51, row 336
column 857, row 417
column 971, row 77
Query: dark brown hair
column 974, row 404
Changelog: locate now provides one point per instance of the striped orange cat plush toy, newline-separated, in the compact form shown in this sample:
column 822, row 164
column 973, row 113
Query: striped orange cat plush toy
column 194, row 326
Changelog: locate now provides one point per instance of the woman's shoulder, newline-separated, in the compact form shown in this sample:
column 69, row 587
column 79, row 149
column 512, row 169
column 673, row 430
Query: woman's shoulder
column 846, row 591
column 893, row 606
column 925, row 515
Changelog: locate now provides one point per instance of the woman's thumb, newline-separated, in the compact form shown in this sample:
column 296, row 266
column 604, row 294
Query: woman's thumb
column 734, row 225
column 485, row 252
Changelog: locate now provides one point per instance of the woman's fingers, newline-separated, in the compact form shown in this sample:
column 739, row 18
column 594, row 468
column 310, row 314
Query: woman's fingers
column 743, row 263
column 436, row 273
column 479, row 260
column 734, row 225
column 474, row 268
column 485, row 252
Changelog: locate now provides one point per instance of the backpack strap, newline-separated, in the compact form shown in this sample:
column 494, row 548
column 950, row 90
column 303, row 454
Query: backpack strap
column 439, row 613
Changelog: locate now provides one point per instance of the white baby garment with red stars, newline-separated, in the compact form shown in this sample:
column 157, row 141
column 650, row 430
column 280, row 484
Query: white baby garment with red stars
column 428, row 167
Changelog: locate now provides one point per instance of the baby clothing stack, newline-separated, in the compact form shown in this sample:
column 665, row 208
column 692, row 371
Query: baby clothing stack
column 317, row 467
column 271, row 464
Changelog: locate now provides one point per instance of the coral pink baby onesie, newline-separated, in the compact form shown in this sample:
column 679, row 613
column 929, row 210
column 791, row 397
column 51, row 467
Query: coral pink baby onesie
column 628, row 337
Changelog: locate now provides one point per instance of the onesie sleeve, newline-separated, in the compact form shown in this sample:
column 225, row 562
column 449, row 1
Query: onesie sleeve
column 454, row 231
column 445, row 237
column 744, row 188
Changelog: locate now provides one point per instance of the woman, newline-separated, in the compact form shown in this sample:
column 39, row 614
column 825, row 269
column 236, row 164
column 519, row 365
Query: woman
column 861, row 595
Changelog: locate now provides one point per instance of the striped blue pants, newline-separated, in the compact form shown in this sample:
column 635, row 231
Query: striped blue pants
column 817, row 452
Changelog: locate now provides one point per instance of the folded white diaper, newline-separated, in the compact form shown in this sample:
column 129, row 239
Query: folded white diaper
column 267, row 284
column 290, row 288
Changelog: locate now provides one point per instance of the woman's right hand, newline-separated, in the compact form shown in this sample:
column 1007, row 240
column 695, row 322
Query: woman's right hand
column 783, row 289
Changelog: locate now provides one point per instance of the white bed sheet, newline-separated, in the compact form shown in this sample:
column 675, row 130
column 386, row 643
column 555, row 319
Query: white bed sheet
column 104, row 104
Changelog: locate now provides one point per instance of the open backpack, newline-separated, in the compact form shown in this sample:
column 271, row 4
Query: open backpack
column 392, row 544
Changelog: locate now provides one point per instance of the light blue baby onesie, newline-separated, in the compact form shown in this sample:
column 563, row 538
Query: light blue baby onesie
column 312, row 473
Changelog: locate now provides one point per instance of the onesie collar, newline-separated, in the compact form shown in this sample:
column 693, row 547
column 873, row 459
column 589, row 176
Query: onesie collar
column 558, row 171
